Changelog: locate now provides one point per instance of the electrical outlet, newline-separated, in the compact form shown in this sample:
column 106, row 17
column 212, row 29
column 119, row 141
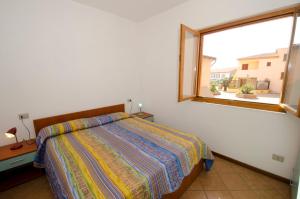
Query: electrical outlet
column 281, row 159
column 278, row 158
column 23, row 116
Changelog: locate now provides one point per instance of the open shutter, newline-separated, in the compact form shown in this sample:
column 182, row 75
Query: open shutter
column 290, row 98
column 188, row 63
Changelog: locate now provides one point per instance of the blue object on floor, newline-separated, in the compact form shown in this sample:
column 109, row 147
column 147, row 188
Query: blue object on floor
column 208, row 164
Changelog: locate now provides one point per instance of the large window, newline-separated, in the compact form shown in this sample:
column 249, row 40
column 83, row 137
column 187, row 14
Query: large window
column 252, row 62
column 245, row 54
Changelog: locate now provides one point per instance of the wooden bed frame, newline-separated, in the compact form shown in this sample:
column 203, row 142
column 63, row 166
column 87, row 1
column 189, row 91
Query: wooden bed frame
column 41, row 123
column 186, row 183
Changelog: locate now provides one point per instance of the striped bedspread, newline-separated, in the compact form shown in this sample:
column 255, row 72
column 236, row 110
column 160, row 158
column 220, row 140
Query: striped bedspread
column 117, row 156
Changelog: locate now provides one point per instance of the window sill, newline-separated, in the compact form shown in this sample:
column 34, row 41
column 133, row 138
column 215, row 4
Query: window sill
column 292, row 110
column 245, row 104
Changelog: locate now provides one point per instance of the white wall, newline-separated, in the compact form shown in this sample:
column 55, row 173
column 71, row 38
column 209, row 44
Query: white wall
column 58, row 56
column 250, row 136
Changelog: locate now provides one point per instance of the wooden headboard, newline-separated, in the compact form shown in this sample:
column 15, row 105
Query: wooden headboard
column 43, row 122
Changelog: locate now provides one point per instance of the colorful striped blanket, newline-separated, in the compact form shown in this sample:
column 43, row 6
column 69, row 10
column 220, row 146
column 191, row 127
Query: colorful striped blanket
column 117, row 156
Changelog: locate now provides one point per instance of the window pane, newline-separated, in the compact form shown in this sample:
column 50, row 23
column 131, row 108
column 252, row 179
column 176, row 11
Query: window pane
column 249, row 60
column 190, row 64
column 292, row 92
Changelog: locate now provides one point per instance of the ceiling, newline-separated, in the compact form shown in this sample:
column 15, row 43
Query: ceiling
column 134, row 10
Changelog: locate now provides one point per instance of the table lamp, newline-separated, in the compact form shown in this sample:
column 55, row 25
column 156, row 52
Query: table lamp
column 140, row 107
column 12, row 133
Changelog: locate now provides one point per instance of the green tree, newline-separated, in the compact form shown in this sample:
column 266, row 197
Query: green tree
column 225, row 82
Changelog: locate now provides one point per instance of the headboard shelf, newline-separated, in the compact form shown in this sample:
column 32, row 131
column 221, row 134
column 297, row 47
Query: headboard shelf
column 44, row 122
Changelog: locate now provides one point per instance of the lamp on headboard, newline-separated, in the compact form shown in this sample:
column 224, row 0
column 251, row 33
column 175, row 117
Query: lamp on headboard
column 12, row 133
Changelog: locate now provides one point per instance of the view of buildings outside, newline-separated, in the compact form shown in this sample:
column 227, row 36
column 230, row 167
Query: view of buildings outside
column 249, row 65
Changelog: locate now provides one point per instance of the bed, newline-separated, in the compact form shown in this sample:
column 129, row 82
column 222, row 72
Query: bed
column 106, row 153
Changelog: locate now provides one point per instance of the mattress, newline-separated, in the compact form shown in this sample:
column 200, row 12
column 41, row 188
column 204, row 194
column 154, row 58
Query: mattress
column 117, row 156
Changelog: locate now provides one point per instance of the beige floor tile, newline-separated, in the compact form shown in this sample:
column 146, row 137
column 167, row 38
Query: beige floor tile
column 240, row 169
column 224, row 167
column 234, row 181
column 218, row 195
column 211, row 181
column 259, row 184
column 269, row 194
column 214, row 187
column 244, row 195
column 251, row 175
column 283, row 188
column 256, row 181
column 277, row 184
column 29, row 191
column 207, row 176
column 286, row 193
column 193, row 195
column 196, row 185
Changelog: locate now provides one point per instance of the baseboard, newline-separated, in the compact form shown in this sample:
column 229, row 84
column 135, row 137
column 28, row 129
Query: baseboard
column 274, row 176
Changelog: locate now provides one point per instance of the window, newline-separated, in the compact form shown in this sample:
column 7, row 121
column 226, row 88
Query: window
column 291, row 94
column 227, row 48
column 245, row 67
column 189, row 49
column 247, row 60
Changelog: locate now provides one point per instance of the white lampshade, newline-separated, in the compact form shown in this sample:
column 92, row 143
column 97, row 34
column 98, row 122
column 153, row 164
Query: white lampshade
column 140, row 105
column 9, row 135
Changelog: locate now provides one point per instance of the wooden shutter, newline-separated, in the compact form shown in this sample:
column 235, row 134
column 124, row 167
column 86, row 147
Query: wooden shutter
column 188, row 63
column 290, row 97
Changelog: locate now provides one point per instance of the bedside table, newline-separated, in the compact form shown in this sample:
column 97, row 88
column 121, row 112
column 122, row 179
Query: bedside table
column 144, row 115
column 16, row 166
column 13, row 158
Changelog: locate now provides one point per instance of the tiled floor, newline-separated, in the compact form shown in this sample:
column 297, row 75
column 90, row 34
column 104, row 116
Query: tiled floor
column 225, row 181
column 35, row 189
column 230, row 181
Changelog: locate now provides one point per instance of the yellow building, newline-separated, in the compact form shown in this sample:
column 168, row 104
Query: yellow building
column 263, row 71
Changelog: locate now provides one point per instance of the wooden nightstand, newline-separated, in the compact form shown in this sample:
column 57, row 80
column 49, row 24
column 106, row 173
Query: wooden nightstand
column 16, row 166
column 144, row 115
column 13, row 158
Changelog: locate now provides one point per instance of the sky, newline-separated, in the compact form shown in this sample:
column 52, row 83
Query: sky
column 249, row 40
